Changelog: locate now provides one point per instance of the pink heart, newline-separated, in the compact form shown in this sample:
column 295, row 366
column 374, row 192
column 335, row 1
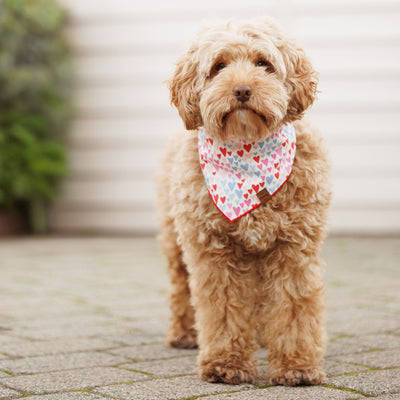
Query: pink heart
column 265, row 162
column 248, row 202
column 237, row 210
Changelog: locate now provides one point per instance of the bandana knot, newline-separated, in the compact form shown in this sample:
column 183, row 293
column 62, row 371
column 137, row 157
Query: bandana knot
column 241, row 175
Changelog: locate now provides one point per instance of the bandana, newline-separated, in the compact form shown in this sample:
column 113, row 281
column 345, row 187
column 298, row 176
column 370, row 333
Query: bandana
column 241, row 176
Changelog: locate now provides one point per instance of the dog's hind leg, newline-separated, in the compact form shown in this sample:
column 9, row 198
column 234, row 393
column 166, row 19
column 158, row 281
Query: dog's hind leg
column 181, row 332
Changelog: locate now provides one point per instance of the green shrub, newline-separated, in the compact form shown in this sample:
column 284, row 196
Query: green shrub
column 35, row 107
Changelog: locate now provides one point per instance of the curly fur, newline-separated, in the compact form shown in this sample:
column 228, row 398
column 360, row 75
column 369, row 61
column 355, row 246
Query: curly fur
column 258, row 280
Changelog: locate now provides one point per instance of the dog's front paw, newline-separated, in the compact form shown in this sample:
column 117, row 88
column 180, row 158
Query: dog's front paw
column 296, row 377
column 229, row 371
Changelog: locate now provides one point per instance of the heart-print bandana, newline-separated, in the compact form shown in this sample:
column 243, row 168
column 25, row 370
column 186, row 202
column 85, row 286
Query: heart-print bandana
column 240, row 176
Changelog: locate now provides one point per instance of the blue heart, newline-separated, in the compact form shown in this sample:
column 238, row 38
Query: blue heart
column 239, row 193
column 245, row 166
column 231, row 185
column 269, row 179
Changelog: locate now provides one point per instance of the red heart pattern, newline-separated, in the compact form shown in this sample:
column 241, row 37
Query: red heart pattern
column 235, row 170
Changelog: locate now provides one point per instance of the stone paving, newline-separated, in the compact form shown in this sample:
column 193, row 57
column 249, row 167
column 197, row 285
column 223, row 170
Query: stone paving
column 83, row 319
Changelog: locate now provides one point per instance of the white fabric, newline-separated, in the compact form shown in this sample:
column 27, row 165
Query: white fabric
column 235, row 171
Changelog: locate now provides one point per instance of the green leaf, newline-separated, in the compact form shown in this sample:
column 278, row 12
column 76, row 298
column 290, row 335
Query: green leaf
column 36, row 80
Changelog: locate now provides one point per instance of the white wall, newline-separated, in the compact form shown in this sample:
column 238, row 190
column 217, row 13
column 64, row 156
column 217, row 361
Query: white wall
column 126, row 49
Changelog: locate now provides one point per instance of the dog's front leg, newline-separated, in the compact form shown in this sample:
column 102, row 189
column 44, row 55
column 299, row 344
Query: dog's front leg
column 223, row 295
column 294, row 319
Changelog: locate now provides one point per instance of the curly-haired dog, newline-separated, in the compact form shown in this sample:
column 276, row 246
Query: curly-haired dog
column 243, row 202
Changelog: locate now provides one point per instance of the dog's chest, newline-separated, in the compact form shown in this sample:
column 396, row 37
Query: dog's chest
column 197, row 209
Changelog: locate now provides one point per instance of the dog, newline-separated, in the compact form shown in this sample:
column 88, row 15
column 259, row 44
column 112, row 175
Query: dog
column 243, row 199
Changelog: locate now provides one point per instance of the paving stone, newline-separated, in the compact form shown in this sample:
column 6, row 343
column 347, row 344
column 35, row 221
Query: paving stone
column 136, row 339
column 382, row 342
column 357, row 344
column 374, row 359
column 334, row 368
column 165, row 368
column 286, row 393
column 25, row 310
column 150, row 327
column 91, row 302
column 55, row 346
column 68, row 396
column 77, row 379
column 8, row 394
column 261, row 354
column 372, row 383
column 6, row 339
column 33, row 365
column 79, row 331
column 347, row 324
column 66, row 322
column 388, row 397
column 168, row 389
column 344, row 346
column 151, row 352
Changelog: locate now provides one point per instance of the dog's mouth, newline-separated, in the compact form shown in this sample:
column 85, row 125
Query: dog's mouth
column 245, row 123
column 244, row 108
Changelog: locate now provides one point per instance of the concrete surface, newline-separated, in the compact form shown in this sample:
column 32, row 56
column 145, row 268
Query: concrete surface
column 83, row 319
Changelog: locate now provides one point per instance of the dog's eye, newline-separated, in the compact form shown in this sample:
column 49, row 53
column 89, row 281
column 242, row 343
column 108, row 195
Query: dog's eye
column 215, row 69
column 265, row 64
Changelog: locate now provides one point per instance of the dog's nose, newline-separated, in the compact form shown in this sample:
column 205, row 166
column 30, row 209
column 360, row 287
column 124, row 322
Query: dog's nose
column 242, row 93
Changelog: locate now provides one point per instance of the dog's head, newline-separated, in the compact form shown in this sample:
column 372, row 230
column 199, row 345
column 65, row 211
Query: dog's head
column 242, row 80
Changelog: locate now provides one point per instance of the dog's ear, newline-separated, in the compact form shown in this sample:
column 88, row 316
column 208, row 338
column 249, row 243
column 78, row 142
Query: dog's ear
column 183, row 92
column 302, row 81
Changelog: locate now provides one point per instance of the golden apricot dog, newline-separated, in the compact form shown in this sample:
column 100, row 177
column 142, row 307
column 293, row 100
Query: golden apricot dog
column 243, row 199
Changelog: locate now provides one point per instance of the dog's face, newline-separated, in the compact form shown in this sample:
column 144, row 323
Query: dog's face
column 242, row 81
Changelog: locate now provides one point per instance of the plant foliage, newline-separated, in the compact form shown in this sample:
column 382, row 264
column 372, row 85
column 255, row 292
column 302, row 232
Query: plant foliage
column 35, row 107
